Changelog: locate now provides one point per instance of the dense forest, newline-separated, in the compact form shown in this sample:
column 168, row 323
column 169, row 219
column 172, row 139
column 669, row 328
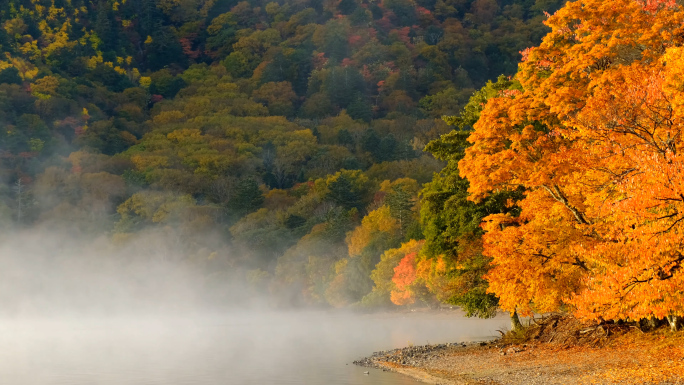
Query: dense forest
column 309, row 148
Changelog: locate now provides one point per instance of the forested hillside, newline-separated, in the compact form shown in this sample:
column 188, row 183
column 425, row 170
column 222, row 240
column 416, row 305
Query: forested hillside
column 278, row 142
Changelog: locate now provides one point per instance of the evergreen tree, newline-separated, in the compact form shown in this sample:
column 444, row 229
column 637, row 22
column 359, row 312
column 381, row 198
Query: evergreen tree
column 347, row 7
column 349, row 189
column 451, row 222
column 344, row 138
column 370, row 142
column 10, row 75
column 343, row 84
column 103, row 27
column 246, row 198
column 401, row 204
column 360, row 109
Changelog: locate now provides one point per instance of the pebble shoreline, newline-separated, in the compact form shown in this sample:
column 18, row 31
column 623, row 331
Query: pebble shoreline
column 497, row 362
column 414, row 356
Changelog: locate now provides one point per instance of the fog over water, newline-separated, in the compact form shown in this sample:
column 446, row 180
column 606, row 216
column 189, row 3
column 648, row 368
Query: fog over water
column 91, row 313
column 247, row 348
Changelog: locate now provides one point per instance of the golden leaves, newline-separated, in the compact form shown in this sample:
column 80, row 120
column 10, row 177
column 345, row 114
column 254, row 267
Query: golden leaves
column 45, row 87
column 377, row 221
column 594, row 139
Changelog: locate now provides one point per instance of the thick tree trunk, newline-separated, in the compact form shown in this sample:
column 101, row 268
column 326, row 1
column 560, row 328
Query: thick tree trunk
column 647, row 324
column 674, row 322
column 516, row 325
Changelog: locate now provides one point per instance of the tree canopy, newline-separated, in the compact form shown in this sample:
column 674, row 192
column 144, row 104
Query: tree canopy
column 592, row 139
column 282, row 142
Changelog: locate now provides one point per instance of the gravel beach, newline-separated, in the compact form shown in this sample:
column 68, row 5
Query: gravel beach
column 626, row 359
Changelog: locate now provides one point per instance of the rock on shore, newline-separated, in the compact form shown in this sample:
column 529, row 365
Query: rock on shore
column 416, row 356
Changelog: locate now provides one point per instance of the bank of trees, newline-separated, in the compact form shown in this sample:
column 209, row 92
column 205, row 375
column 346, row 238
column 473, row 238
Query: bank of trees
column 573, row 170
column 282, row 141
column 282, row 144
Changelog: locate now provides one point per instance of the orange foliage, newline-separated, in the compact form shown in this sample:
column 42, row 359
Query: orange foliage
column 404, row 276
column 594, row 141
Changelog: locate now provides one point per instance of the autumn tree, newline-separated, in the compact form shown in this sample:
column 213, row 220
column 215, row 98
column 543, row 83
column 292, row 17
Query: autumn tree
column 246, row 198
column 278, row 97
column 349, row 189
column 385, row 290
column 377, row 232
column 591, row 138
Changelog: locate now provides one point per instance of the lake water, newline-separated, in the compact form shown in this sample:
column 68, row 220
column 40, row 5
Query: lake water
column 263, row 348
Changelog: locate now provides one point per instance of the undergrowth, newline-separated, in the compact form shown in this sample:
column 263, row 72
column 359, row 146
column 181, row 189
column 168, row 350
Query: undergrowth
column 563, row 330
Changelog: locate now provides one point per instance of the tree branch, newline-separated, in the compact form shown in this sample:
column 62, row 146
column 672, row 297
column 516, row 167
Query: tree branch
column 558, row 195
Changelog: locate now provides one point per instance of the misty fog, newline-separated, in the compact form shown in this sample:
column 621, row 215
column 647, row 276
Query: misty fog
column 239, row 348
column 59, row 274
column 94, row 311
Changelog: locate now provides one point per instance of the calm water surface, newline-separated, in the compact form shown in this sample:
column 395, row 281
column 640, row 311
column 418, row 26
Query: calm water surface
column 254, row 348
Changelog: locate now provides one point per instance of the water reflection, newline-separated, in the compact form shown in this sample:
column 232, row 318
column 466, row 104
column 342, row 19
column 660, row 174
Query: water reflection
column 248, row 348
